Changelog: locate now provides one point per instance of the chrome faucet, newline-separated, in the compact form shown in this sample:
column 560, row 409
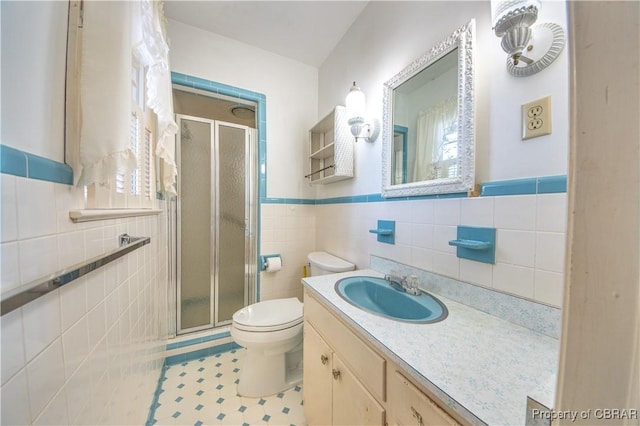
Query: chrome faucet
column 408, row 284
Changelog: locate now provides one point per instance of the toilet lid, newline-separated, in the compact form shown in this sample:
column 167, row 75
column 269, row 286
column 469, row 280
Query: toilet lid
column 270, row 315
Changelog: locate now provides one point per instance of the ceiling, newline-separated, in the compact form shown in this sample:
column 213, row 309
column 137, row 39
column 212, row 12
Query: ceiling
column 306, row 31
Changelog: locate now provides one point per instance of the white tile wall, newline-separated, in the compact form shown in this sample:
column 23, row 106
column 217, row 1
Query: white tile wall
column 36, row 200
column 288, row 230
column 10, row 265
column 41, row 323
column 13, row 357
column 8, row 210
column 45, row 377
column 515, row 212
column 90, row 352
column 516, row 247
column 551, row 213
column 530, row 239
column 15, row 400
column 93, row 347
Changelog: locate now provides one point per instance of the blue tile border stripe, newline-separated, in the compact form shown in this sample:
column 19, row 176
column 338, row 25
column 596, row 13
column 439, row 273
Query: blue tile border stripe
column 23, row 164
column 201, row 353
column 538, row 185
column 198, row 340
column 552, row 184
column 154, row 403
column 509, row 187
column 529, row 186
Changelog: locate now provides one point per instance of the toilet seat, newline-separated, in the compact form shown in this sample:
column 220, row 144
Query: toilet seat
column 270, row 315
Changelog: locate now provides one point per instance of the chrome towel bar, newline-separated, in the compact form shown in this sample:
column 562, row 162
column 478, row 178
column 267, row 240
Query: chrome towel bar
column 24, row 294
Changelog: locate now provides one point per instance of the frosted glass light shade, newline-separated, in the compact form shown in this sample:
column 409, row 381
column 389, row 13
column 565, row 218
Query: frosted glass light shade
column 356, row 106
column 509, row 14
column 513, row 21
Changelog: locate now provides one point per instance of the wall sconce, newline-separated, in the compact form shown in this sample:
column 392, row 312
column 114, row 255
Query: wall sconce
column 531, row 48
column 356, row 109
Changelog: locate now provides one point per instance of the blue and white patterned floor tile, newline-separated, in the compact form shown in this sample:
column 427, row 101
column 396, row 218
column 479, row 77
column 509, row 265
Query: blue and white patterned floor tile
column 202, row 392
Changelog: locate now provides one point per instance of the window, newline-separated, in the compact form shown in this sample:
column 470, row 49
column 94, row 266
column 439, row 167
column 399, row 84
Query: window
column 137, row 188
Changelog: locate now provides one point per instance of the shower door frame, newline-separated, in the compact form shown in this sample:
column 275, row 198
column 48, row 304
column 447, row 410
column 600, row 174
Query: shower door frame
column 251, row 205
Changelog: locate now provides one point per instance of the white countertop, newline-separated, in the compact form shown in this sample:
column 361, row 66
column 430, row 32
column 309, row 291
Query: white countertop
column 482, row 366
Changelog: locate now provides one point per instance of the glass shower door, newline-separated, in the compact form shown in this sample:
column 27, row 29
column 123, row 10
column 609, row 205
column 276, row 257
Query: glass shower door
column 232, row 283
column 215, row 221
column 195, row 209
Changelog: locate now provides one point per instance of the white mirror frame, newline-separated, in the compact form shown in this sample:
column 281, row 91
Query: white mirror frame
column 463, row 40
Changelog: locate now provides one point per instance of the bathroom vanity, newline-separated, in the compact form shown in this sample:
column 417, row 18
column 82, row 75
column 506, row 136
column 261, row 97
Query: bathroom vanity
column 349, row 382
column 471, row 368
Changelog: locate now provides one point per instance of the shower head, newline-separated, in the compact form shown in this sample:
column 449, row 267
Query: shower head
column 243, row 111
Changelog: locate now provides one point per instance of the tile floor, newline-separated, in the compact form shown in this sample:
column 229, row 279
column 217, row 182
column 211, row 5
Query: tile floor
column 203, row 392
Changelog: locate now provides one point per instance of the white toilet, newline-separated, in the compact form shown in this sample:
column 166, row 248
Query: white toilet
column 271, row 332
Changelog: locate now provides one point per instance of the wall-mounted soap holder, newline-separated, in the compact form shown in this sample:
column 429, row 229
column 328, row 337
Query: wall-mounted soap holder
column 476, row 243
column 386, row 231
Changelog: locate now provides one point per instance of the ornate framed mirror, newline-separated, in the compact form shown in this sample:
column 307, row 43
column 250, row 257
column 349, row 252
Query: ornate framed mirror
column 428, row 124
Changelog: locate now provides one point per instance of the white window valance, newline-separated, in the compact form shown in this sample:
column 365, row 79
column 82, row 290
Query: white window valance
column 152, row 49
column 105, row 93
column 113, row 33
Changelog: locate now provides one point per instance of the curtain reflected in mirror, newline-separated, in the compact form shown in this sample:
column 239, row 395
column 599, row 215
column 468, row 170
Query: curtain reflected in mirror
column 427, row 107
column 436, row 142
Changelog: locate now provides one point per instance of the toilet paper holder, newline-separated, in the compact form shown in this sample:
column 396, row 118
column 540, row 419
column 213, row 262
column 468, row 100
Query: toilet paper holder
column 263, row 260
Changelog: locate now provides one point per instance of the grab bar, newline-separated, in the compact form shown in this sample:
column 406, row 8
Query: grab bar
column 24, row 294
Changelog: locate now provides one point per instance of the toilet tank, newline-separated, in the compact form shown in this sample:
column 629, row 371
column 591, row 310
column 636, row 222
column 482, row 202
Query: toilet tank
column 323, row 263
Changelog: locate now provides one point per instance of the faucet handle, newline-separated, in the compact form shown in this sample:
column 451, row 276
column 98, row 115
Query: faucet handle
column 394, row 276
column 412, row 284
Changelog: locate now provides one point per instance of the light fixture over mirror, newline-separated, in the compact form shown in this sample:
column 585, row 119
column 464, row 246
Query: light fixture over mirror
column 356, row 112
column 531, row 48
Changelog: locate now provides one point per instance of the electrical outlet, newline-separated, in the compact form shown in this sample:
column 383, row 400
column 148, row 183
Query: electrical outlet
column 536, row 118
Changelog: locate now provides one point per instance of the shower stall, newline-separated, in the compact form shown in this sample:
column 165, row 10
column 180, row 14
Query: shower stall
column 214, row 249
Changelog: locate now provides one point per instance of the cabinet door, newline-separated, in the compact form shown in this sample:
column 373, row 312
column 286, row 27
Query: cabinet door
column 317, row 378
column 352, row 404
column 410, row 406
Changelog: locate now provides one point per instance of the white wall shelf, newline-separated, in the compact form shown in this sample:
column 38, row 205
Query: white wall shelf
column 331, row 148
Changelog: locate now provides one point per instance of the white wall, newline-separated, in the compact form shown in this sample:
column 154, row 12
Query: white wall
column 34, row 43
column 290, row 88
column 389, row 35
column 531, row 229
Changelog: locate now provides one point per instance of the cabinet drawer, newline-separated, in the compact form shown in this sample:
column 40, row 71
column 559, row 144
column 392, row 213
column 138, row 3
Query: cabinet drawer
column 408, row 405
column 366, row 364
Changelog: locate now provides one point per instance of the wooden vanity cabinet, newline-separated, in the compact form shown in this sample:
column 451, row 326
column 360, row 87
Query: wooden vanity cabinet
column 335, row 389
column 408, row 405
column 333, row 394
column 347, row 382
